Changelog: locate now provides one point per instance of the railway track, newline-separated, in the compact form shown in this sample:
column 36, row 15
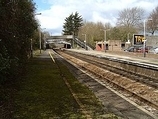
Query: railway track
column 144, row 94
column 102, row 62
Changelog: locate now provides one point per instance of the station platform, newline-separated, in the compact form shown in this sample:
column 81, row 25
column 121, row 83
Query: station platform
column 134, row 56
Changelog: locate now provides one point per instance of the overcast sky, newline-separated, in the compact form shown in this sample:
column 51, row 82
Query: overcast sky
column 54, row 12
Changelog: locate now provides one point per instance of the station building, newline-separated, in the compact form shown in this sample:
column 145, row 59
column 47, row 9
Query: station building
column 111, row 45
column 118, row 45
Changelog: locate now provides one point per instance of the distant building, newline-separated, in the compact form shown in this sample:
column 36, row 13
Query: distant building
column 115, row 45
column 99, row 46
column 111, row 45
column 118, row 45
column 152, row 41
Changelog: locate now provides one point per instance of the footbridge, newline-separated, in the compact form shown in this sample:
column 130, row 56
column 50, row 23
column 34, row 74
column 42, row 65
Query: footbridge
column 66, row 40
column 56, row 39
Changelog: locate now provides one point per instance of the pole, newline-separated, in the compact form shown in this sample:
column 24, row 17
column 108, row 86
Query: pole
column 85, row 41
column 31, row 49
column 40, row 40
column 39, row 33
column 105, row 40
column 44, row 43
column 144, row 43
column 73, row 39
column 128, row 38
column 105, row 31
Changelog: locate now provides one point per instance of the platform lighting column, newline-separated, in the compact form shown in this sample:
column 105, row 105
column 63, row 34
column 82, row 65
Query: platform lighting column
column 44, row 45
column 105, row 40
column 39, row 33
column 31, row 49
column 40, row 40
column 128, row 38
column 105, row 31
column 144, row 44
column 85, row 38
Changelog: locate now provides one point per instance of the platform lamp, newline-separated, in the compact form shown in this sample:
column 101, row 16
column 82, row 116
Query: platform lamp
column 31, row 49
column 40, row 37
column 44, row 45
column 85, row 40
column 31, row 39
column 105, row 30
column 144, row 44
column 39, row 33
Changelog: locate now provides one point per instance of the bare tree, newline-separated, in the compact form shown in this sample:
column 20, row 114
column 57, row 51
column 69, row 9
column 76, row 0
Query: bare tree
column 128, row 22
column 130, row 17
column 152, row 25
column 94, row 32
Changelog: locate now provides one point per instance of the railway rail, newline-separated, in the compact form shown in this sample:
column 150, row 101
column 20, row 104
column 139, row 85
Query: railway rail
column 109, row 63
column 144, row 93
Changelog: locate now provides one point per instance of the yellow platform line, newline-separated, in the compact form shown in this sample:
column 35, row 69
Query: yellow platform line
column 51, row 57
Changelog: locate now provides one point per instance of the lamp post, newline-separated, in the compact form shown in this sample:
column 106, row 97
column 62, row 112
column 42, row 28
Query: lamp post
column 105, row 37
column 144, row 44
column 40, row 38
column 128, row 42
column 39, row 33
column 105, row 40
column 128, row 38
column 85, row 37
column 31, row 49
column 31, row 39
column 44, row 45
column 44, row 38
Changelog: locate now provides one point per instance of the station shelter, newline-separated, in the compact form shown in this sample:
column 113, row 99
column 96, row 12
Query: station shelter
column 100, row 46
column 115, row 45
column 111, row 45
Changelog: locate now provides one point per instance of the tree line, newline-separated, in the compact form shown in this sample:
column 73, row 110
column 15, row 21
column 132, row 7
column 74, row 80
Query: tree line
column 17, row 26
column 129, row 21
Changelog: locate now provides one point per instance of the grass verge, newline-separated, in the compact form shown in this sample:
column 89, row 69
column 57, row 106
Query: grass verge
column 42, row 94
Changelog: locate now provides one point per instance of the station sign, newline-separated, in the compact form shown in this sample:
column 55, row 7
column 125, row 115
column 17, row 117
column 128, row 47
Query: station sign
column 138, row 39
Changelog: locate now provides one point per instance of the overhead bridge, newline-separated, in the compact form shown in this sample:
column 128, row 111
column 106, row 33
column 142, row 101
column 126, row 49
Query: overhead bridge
column 61, row 38
column 57, row 41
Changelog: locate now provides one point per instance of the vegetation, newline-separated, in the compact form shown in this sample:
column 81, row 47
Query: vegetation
column 130, row 21
column 94, row 32
column 130, row 17
column 72, row 24
column 152, row 21
column 43, row 94
column 17, row 26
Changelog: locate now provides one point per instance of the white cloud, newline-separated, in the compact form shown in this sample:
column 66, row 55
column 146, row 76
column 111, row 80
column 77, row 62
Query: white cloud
column 90, row 10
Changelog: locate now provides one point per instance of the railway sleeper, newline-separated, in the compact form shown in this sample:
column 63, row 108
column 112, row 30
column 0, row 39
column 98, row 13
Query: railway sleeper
column 133, row 69
column 96, row 70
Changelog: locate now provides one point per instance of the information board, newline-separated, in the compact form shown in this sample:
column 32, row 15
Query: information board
column 138, row 39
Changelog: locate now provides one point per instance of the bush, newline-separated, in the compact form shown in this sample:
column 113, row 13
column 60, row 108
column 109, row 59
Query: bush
column 8, row 66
